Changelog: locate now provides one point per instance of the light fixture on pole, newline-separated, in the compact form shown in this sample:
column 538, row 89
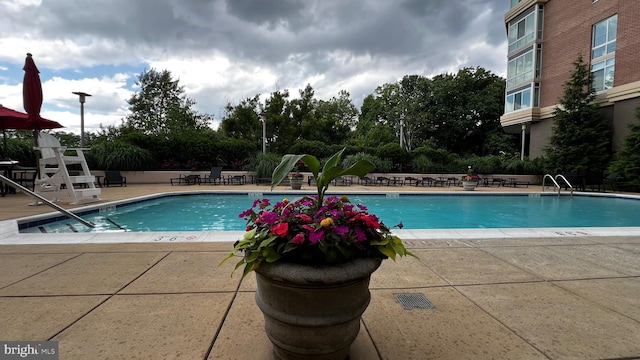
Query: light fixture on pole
column 82, row 98
column 524, row 137
column 402, row 131
column 263, row 118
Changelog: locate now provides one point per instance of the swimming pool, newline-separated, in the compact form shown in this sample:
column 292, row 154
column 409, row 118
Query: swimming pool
column 219, row 212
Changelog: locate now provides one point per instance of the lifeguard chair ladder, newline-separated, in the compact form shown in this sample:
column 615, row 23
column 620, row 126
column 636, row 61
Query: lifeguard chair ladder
column 54, row 181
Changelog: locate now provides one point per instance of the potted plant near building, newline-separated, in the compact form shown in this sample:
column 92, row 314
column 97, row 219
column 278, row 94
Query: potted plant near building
column 309, row 255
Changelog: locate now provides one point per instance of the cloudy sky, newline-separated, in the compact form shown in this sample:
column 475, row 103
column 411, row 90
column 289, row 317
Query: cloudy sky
column 224, row 51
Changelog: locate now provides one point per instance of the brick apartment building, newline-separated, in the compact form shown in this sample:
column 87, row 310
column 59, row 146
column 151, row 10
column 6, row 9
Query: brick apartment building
column 545, row 38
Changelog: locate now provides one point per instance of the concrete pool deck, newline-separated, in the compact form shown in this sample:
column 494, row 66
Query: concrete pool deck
column 563, row 295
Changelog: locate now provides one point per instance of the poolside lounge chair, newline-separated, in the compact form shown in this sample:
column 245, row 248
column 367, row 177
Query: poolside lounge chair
column 343, row 180
column 214, row 177
column 383, row 179
column 236, row 179
column 411, row 180
column 430, row 181
column 113, row 178
column 365, row 180
column 186, row 179
column 610, row 180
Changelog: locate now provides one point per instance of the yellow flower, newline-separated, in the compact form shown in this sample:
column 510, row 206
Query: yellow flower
column 326, row 222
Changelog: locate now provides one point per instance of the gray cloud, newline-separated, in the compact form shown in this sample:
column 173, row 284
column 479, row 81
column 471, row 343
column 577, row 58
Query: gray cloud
column 354, row 45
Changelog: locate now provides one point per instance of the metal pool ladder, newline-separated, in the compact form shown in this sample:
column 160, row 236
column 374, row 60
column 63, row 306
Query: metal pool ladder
column 555, row 182
column 46, row 201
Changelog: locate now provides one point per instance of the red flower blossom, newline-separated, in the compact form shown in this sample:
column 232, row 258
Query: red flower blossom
column 280, row 229
column 298, row 239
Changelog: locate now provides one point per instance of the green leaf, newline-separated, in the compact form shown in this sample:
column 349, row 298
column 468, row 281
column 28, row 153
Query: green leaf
column 360, row 168
column 312, row 163
column 381, row 242
column 388, row 250
column 249, row 234
column 247, row 269
column 231, row 255
column 270, row 255
column 283, row 169
column 333, row 161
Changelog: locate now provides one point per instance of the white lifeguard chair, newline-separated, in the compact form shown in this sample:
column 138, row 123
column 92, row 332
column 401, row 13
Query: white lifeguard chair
column 54, row 181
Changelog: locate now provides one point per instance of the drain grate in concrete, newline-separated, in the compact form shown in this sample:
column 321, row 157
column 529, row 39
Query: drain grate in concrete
column 414, row 301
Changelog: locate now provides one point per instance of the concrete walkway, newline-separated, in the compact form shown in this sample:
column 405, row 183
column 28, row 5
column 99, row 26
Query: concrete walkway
column 570, row 296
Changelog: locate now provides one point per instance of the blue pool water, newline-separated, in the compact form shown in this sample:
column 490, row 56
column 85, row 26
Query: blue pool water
column 219, row 212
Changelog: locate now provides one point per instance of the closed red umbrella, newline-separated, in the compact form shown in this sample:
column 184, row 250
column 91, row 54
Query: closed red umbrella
column 32, row 92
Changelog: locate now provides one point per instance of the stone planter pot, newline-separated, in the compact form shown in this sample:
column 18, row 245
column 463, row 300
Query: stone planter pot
column 469, row 185
column 296, row 183
column 313, row 312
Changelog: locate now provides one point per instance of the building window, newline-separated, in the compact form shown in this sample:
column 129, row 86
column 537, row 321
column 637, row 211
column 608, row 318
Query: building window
column 604, row 37
column 603, row 53
column 517, row 100
column 602, row 73
column 520, row 69
column 515, row 3
column 522, row 32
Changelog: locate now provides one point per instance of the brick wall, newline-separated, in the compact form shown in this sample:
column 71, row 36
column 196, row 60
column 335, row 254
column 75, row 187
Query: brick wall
column 567, row 34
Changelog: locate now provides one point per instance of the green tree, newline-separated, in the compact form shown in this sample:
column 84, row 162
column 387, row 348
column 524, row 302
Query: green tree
column 627, row 163
column 372, row 129
column 334, row 119
column 161, row 107
column 581, row 137
column 303, row 113
column 243, row 120
column 465, row 109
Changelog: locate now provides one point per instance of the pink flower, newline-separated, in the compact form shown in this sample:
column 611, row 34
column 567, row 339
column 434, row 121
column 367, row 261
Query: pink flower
column 298, row 239
column 360, row 235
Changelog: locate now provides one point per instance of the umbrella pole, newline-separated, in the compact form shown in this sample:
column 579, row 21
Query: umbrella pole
column 4, row 137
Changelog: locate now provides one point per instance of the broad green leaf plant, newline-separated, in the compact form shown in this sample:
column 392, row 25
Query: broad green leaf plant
column 316, row 230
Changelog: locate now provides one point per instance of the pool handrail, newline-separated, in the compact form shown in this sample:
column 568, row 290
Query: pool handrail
column 555, row 182
column 44, row 200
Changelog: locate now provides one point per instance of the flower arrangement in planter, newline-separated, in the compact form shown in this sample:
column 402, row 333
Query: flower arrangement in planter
column 295, row 178
column 309, row 254
column 312, row 229
column 469, row 176
column 469, row 181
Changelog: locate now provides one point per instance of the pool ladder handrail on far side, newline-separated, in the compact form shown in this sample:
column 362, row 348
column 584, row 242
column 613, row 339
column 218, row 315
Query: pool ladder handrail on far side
column 555, row 182
column 45, row 201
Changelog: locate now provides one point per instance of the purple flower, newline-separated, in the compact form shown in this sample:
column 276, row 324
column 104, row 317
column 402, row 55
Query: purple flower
column 341, row 230
column 360, row 235
column 269, row 217
column 316, row 236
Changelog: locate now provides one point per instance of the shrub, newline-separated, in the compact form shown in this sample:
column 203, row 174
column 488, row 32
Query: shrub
column 118, row 155
column 264, row 164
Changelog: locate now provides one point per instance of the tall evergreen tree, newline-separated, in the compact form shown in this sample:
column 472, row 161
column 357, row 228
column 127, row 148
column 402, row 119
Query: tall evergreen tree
column 581, row 136
column 628, row 162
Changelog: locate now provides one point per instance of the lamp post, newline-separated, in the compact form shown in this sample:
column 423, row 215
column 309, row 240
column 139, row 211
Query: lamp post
column 263, row 118
column 402, row 131
column 82, row 98
column 524, row 137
